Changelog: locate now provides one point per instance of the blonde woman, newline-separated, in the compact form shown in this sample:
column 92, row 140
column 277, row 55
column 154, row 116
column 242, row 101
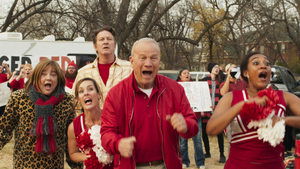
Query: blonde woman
column 84, row 142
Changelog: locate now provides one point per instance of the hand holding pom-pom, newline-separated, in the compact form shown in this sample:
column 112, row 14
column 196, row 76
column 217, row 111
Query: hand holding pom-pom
column 259, row 112
column 89, row 142
column 260, row 107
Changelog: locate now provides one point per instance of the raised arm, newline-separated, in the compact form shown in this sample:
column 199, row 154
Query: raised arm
column 224, row 88
column 8, row 72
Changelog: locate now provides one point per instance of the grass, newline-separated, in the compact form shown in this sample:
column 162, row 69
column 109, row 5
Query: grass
column 6, row 155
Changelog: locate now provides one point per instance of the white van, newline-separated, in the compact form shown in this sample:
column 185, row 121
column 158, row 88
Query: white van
column 15, row 51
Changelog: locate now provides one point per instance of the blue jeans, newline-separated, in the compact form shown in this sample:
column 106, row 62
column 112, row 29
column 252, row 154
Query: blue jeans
column 199, row 157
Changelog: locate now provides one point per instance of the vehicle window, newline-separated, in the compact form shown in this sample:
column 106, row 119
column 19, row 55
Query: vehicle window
column 83, row 59
column 290, row 80
column 277, row 77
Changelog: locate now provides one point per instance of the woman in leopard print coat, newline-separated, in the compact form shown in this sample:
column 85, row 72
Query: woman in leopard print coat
column 38, row 117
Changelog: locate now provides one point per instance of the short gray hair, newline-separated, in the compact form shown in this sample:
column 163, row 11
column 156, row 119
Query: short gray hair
column 143, row 40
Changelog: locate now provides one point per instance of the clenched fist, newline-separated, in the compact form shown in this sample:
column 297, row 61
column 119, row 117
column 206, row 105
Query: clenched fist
column 178, row 122
column 126, row 146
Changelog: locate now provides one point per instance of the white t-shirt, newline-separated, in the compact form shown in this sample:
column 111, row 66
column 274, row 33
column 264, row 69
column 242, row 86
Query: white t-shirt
column 147, row 91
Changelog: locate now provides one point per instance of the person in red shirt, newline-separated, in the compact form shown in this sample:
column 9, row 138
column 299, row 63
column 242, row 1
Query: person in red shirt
column 19, row 78
column 71, row 74
column 248, row 150
column 88, row 124
column 144, row 115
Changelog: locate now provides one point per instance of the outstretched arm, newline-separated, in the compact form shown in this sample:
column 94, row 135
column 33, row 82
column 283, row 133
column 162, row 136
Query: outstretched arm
column 224, row 112
column 293, row 104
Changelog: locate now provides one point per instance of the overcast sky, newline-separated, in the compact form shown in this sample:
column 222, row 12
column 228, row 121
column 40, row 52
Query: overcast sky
column 4, row 7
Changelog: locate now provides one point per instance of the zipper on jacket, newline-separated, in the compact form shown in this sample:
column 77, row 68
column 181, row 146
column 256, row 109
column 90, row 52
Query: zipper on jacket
column 130, row 130
column 162, row 136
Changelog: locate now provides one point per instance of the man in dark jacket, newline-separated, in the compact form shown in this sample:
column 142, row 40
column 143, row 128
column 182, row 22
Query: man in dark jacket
column 145, row 113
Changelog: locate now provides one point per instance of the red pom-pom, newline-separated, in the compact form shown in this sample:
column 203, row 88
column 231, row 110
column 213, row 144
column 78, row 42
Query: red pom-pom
column 84, row 141
column 92, row 162
column 252, row 111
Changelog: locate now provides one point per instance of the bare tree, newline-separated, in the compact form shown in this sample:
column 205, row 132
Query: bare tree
column 21, row 11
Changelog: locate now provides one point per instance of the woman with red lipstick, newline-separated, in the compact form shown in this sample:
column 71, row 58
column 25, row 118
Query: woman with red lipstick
column 84, row 140
column 38, row 116
column 256, row 116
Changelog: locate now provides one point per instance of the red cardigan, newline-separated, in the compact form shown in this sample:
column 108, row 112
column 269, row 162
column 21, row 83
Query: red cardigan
column 17, row 84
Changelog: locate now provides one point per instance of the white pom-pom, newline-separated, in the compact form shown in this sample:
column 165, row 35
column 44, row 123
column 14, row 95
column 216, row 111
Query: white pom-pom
column 268, row 133
column 101, row 154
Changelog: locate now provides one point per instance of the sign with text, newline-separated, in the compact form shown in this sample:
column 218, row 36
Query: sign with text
column 4, row 93
column 198, row 95
column 15, row 61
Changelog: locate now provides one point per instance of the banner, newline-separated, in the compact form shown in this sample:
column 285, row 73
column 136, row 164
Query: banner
column 4, row 93
column 198, row 95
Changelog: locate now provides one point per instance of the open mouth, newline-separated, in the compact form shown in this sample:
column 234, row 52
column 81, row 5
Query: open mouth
column 262, row 75
column 146, row 72
column 88, row 101
column 48, row 85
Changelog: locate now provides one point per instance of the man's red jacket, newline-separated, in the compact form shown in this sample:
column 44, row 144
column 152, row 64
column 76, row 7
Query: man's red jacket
column 117, row 116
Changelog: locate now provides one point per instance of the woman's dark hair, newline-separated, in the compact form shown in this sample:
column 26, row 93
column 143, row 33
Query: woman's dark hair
column 179, row 73
column 244, row 64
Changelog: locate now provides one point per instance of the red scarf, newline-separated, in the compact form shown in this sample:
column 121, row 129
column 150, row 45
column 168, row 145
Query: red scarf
column 44, row 125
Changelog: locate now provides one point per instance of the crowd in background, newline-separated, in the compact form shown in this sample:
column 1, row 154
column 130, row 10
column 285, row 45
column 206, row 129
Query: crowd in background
column 131, row 117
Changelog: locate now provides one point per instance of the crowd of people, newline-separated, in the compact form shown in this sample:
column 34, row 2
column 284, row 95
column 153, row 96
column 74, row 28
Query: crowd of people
column 132, row 117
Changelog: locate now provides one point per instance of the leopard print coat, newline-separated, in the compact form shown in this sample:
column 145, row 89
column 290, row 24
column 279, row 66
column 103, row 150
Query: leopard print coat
column 18, row 118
